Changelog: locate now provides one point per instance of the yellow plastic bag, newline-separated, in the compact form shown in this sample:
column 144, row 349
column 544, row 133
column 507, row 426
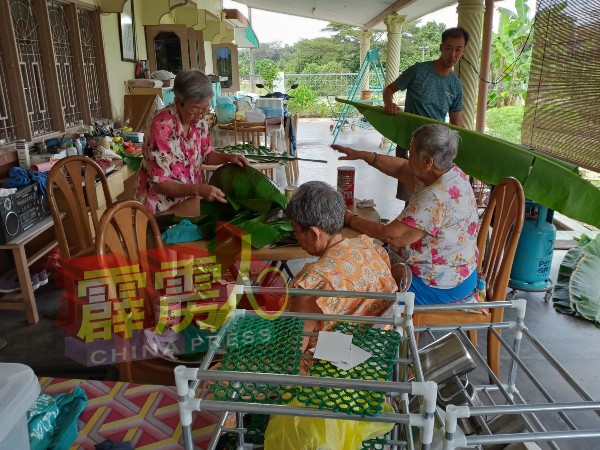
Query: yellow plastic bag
column 306, row 433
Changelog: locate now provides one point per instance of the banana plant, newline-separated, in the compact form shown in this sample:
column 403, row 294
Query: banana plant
column 545, row 180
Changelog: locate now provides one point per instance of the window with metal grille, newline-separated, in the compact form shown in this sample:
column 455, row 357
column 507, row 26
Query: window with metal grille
column 88, row 47
column 63, row 60
column 30, row 61
column 8, row 130
column 562, row 117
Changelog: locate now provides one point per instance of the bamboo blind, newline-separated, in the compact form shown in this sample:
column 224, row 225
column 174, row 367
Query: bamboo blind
column 562, row 110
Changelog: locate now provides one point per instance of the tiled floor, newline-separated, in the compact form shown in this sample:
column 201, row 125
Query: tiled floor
column 574, row 342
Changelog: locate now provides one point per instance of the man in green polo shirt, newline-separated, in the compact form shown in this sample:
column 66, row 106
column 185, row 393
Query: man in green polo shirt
column 432, row 89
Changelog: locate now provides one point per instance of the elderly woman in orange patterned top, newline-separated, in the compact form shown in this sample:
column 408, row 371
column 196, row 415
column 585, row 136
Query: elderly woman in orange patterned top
column 359, row 264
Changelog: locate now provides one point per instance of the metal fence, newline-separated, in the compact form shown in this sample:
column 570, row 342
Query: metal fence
column 322, row 84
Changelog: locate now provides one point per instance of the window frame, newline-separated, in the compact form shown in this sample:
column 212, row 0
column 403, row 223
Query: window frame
column 12, row 71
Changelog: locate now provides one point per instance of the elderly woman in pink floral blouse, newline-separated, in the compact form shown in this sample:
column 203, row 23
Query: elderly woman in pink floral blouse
column 168, row 179
column 436, row 234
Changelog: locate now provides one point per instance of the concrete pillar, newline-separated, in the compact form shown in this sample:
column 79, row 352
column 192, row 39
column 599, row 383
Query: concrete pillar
column 470, row 17
column 364, row 37
column 484, row 69
column 394, row 24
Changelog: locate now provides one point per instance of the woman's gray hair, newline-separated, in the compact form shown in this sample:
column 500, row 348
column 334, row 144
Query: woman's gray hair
column 317, row 204
column 192, row 84
column 438, row 141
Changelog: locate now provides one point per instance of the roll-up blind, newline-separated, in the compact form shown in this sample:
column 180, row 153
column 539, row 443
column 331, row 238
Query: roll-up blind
column 562, row 110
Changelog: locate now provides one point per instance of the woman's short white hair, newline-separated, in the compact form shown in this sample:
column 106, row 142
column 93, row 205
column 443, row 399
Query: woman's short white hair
column 317, row 204
column 438, row 141
column 192, row 84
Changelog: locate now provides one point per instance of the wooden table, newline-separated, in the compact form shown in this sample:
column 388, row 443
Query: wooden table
column 223, row 135
column 22, row 264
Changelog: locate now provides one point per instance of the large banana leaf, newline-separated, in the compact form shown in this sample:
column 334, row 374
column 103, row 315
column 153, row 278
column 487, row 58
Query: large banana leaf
column 561, row 297
column 545, row 180
column 251, row 196
column 245, row 183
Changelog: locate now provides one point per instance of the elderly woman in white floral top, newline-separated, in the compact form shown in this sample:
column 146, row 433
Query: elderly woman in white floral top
column 168, row 179
column 436, row 234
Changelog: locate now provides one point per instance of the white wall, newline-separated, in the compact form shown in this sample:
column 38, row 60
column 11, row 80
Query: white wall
column 118, row 71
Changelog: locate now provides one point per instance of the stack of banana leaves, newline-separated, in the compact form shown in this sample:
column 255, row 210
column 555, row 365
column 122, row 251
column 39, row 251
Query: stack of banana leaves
column 255, row 205
column 545, row 180
column 577, row 288
column 262, row 154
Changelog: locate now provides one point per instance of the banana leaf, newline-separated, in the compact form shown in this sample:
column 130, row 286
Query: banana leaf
column 245, row 183
column 260, row 234
column 584, row 288
column 545, row 180
column 560, row 295
column 584, row 284
column 253, row 199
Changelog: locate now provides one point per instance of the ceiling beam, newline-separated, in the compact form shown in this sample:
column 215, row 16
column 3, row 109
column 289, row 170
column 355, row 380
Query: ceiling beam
column 394, row 7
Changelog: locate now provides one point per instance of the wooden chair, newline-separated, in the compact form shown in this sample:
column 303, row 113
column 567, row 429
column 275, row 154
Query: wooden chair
column 292, row 171
column 73, row 180
column 291, row 166
column 253, row 132
column 497, row 242
column 126, row 230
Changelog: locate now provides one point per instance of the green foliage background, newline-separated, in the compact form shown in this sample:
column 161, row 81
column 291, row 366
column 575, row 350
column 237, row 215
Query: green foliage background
column 339, row 54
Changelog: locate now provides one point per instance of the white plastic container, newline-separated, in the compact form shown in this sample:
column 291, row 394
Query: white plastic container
column 19, row 389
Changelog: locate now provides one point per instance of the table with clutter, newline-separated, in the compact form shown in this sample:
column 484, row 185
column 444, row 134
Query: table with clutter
column 223, row 135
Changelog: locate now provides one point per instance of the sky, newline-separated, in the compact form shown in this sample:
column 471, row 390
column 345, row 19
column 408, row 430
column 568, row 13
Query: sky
column 271, row 27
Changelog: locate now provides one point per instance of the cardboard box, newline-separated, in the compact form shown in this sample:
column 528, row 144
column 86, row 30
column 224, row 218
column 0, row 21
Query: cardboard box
column 116, row 185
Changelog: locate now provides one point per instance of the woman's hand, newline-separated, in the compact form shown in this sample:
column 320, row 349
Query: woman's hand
column 403, row 276
column 238, row 160
column 350, row 153
column 348, row 215
column 211, row 193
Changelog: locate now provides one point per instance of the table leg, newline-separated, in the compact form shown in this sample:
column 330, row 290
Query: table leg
column 25, row 283
column 282, row 265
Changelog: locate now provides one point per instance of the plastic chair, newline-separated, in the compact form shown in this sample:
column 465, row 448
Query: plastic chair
column 497, row 243
column 252, row 132
column 74, row 179
column 126, row 231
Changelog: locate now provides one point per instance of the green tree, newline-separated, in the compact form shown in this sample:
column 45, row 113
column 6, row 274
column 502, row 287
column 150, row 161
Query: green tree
column 420, row 43
column 322, row 50
column 511, row 56
column 244, row 61
column 332, row 67
column 267, row 70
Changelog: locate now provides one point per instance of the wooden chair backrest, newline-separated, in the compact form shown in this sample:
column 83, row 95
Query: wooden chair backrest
column 74, row 179
column 124, row 230
column 504, row 216
column 296, row 126
column 253, row 132
column 287, row 137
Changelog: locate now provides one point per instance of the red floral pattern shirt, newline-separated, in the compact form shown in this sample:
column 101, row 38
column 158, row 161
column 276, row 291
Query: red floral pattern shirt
column 171, row 156
column 447, row 212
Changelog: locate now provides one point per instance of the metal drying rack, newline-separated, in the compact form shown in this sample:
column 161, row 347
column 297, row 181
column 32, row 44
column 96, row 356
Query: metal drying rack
column 428, row 428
